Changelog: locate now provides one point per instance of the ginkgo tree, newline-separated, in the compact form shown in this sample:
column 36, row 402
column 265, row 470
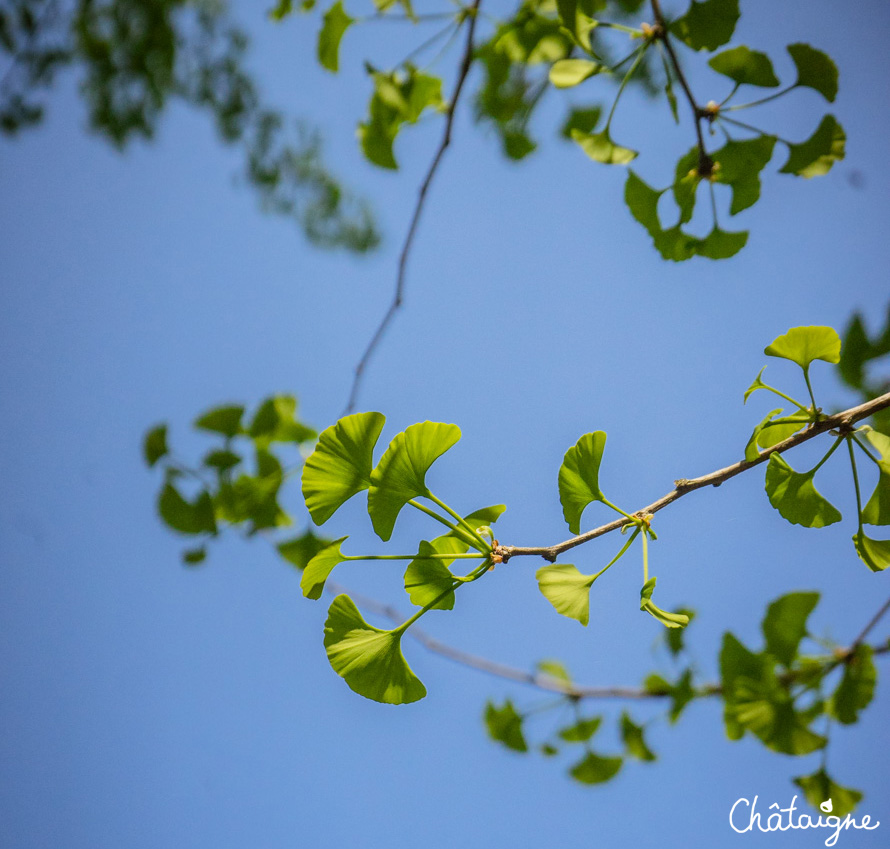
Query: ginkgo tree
column 774, row 693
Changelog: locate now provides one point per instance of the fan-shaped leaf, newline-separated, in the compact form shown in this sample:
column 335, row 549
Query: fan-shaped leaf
column 785, row 624
column 601, row 148
column 579, row 477
column 320, row 567
column 796, row 498
column 224, row 420
column 567, row 73
column 857, row 687
column 427, row 578
column 154, row 446
column 815, row 69
column 566, row 589
column 708, row 25
column 875, row 553
column 504, row 725
column 815, row 156
column 819, row 788
column 336, row 22
column 634, row 741
column 582, row 730
column 745, row 66
column 803, row 345
column 595, row 769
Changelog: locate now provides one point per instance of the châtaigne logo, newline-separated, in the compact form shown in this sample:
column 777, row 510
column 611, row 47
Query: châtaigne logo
column 744, row 816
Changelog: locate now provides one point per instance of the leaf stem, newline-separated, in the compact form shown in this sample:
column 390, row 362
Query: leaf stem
column 788, row 398
column 855, row 481
column 413, row 556
column 645, row 556
column 830, row 452
column 454, row 528
column 641, row 50
column 616, row 508
column 461, row 521
column 766, row 99
column 868, row 453
column 806, row 377
column 620, row 554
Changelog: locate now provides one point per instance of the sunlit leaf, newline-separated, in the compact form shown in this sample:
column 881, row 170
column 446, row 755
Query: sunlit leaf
column 300, row 550
column 634, row 741
column 668, row 619
column 427, row 578
column 224, row 420
column 320, row 567
column 815, row 156
column 736, row 663
column 369, row 659
column 819, row 788
column 857, row 687
column 875, row 553
column 803, row 345
column 795, row 496
column 785, row 624
column 579, row 477
column 566, row 589
column 340, row 465
column 336, row 22
column 554, row 669
column 745, row 66
column 595, row 769
column 708, row 25
column 567, row 73
column 583, row 120
column 815, row 69
column 275, row 421
column 401, row 473
column 877, row 510
column 154, row 446
column 601, row 148
column 582, row 730
column 755, row 385
column 504, row 725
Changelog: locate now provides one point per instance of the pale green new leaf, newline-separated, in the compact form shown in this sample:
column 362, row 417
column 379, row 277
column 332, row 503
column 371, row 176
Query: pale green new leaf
column 336, row 22
column 595, row 769
column 668, row 619
column 877, row 510
column 875, row 553
column 340, row 465
column 757, row 384
column 476, row 519
column 815, row 156
column 819, row 788
column 554, row 669
column 815, row 69
column 795, row 496
column 634, row 740
column 369, row 659
column 566, row 589
column 567, row 73
column 427, row 578
column 785, row 624
column 579, row 477
column 803, row 345
column 401, row 473
column 504, row 725
column 601, row 148
column 857, row 687
column 745, row 66
column 708, row 25
column 320, row 567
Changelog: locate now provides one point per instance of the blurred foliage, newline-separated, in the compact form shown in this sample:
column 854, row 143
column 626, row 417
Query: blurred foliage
column 134, row 57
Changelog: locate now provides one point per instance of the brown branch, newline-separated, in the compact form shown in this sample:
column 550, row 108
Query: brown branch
column 705, row 163
column 464, row 69
column 842, row 421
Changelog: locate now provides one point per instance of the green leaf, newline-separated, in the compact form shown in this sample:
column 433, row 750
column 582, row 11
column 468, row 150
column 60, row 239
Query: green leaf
column 785, row 624
column 875, row 553
column 721, row 244
column 656, row 685
column 881, row 443
column 736, row 663
column 336, row 22
column 857, row 687
column 221, row 460
column 401, row 473
column 554, row 669
column 745, row 66
column 708, row 25
column 548, row 750
column 815, row 69
column 673, row 637
column 224, row 420
column 634, row 741
column 426, row 578
column 740, row 164
column 567, row 73
column 576, row 18
column 194, row 556
column 566, row 589
column 877, row 510
column 281, row 10
column 340, row 465
column 187, row 517
column 369, row 659
column 300, row 550
column 504, row 725
column 681, row 695
column 757, row 384
column 320, row 567
column 751, row 452
column 795, row 496
column 815, row 156
column 154, row 446
column 803, row 345
column 818, row 788
column 642, row 200
column 686, row 183
column 275, row 421
column 594, row 769
column 669, row 620
column 476, row 519
column 579, row 477
column 582, row 120
column 601, row 148
column 582, row 730
column 775, row 432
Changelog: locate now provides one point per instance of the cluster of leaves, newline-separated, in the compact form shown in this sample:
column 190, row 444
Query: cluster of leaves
column 794, row 493
column 137, row 55
column 220, row 491
column 776, row 695
column 859, row 352
column 566, row 43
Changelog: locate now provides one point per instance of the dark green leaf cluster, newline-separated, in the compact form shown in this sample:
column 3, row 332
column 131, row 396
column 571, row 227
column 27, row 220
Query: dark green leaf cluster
column 859, row 352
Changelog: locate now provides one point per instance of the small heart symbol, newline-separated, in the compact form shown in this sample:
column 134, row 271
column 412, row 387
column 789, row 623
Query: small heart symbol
column 826, row 807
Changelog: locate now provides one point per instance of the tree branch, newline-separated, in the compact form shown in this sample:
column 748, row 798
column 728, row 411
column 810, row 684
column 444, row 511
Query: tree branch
column 842, row 421
column 464, row 69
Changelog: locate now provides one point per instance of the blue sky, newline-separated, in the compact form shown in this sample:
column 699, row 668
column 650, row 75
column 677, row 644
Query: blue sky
column 147, row 705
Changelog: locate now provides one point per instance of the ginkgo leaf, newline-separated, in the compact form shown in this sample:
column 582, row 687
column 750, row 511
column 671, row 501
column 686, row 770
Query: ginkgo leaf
column 427, row 578
column 668, row 619
column 601, row 148
column 815, row 156
column 369, row 659
column 595, row 769
column 795, row 496
column 755, row 385
column 877, row 510
column 803, row 345
column 785, row 624
column 815, row 70
column 340, row 465
column 745, row 66
column 819, row 788
column 335, row 23
column 857, row 686
column 875, row 553
column 401, row 473
column 320, row 567
column 579, row 477
column 707, row 25
column 566, row 589
column 504, row 725
column 634, row 740
column 582, row 730
column 567, row 73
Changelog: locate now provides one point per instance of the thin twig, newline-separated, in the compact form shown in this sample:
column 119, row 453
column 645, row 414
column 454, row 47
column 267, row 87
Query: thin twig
column 843, row 421
column 464, row 69
column 874, row 621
